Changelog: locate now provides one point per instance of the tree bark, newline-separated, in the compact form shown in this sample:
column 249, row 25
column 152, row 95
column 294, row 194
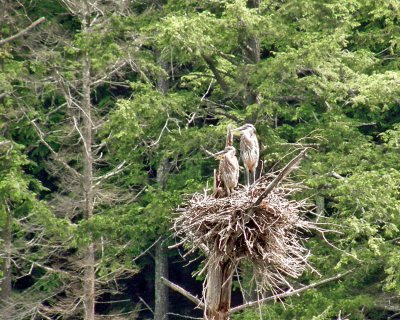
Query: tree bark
column 162, row 80
column 6, row 268
column 218, row 290
column 161, row 290
column 252, row 47
column 87, row 133
column 161, row 258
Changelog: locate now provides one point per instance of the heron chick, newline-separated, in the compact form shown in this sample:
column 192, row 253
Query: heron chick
column 228, row 168
column 249, row 150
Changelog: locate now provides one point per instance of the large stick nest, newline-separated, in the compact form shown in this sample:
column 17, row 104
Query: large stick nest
column 270, row 236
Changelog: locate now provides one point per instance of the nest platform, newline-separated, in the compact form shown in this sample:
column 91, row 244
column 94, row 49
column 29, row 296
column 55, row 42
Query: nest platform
column 270, row 235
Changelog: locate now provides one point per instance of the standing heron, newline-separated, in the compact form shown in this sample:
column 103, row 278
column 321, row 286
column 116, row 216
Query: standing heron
column 228, row 168
column 249, row 150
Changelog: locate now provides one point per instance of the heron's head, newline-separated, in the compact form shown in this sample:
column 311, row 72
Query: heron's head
column 246, row 128
column 228, row 150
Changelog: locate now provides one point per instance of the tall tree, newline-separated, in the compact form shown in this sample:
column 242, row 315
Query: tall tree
column 88, row 59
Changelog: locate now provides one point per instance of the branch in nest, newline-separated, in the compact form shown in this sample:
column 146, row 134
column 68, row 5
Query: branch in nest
column 285, row 171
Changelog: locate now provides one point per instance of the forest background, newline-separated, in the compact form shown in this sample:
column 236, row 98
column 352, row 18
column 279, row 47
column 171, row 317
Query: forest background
column 107, row 107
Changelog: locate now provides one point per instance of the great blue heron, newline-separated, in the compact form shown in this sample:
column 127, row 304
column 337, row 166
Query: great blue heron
column 249, row 150
column 228, row 168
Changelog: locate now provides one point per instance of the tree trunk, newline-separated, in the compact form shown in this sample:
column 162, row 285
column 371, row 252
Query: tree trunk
column 161, row 257
column 252, row 48
column 161, row 290
column 162, row 80
column 6, row 269
column 218, row 290
column 250, row 44
column 89, row 265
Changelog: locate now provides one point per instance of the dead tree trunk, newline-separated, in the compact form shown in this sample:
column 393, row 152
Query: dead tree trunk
column 218, row 290
column 161, row 290
column 6, row 269
column 89, row 264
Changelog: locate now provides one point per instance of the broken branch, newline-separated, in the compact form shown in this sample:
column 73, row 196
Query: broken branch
column 183, row 292
column 287, row 294
column 285, row 171
column 22, row 32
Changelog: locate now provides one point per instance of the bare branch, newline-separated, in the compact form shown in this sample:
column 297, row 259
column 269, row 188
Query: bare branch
column 147, row 250
column 183, row 292
column 22, row 32
column 4, row 143
column 287, row 294
column 146, row 304
column 300, row 145
column 56, row 155
column 52, row 270
column 113, row 172
column 336, row 175
column 161, row 133
column 284, row 172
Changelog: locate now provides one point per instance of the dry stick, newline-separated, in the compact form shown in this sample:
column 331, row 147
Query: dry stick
column 183, row 292
column 22, row 32
column 4, row 143
column 287, row 294
column 285, row 171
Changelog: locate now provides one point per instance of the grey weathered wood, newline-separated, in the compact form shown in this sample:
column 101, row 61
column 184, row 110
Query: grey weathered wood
column 218, row 290
column 161, row 290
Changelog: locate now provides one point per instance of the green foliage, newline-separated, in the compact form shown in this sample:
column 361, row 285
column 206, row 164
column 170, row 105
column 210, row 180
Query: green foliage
column 327, row 75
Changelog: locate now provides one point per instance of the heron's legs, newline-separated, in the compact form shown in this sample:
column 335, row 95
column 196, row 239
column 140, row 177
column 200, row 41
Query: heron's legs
column 228, row 191
column 247, row 176
column 253, row 173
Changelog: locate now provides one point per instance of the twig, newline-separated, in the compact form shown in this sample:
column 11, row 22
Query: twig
column 4, row 143
column 22, row 32
column 52, row 270
column 287, row 294
column 147, row 250
column 161, row 133
column 183, row 292
column 147, row 306
column 300, row 145
column 183, row 316
column 284, row 172
column 56, row 155
column 113, row 172
column 336, row 175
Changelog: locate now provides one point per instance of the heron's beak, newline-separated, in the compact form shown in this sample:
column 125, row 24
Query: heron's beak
column 238, row 129
column 220, row 154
